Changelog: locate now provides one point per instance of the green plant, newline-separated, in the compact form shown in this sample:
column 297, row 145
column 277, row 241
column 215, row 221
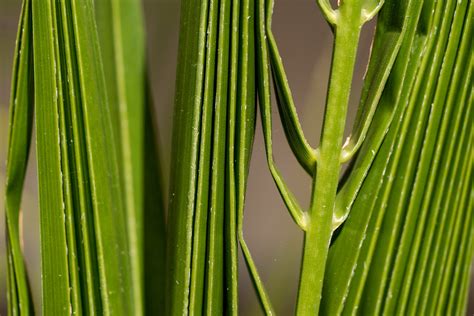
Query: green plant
column 392, row 234
column 90, row 139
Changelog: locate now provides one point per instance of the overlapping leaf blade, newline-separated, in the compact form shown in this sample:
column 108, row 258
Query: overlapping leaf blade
column 213, row 135
column 85, row 260
column 20, row 126
column 122, row 43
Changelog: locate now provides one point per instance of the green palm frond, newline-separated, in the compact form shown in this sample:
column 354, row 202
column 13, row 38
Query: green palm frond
column 391, row 234
column 90, row 139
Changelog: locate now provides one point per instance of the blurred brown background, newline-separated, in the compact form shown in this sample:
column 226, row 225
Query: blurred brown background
column 305, row 44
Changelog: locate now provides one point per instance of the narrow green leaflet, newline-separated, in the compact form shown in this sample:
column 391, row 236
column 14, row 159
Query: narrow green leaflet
column 296, row 139
column 230, row 215
column 20, row 125
column 264, row 14
column 185, row 156
column 459, row 298
column 63, row 111
column 54, row 254
column 122, row 43
column 214, row 301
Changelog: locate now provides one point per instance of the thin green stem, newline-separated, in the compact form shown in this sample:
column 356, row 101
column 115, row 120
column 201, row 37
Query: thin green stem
column 319, row 230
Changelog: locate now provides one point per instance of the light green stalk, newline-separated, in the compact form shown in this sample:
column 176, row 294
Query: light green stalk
column 347, row 22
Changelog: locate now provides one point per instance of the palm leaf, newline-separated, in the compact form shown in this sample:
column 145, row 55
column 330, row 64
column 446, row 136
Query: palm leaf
column 393, row 234
column 122, row 43
column 85, row 260
column 20, row 125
